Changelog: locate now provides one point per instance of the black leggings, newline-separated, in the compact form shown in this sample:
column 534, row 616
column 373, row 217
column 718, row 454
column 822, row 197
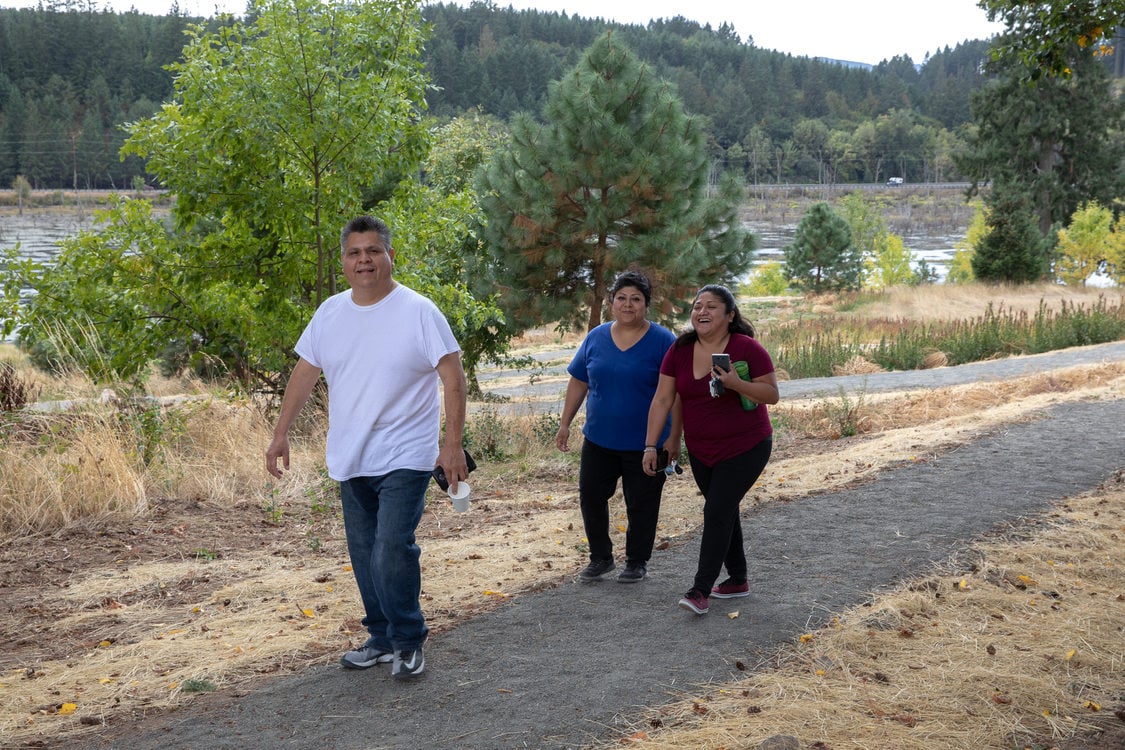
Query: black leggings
column 597, row 482
column 723, row 486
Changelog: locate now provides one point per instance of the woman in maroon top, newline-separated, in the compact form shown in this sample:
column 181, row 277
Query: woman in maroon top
column 729, row 436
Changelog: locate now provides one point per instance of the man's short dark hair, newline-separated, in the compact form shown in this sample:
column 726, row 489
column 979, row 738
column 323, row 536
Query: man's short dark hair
column 363, row 224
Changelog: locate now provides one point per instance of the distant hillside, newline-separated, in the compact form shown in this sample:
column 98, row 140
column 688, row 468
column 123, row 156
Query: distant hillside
column 772, row 116
column 70, row 77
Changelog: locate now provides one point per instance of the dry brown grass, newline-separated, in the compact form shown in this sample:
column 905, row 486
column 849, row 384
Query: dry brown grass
column 103, row 459
column 931, row 302
column 545, row 338
column 1024, row 652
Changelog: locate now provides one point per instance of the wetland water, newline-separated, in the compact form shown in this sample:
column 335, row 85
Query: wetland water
column 930, row 220
column 38, row 231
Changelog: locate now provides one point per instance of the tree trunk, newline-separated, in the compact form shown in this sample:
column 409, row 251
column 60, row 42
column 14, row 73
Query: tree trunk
column 598, row 294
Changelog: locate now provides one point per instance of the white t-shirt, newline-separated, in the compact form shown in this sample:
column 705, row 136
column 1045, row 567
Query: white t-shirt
column 384, row 404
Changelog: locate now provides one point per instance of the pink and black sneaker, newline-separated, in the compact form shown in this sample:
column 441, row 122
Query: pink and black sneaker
column 729, row 589
column 695, row 601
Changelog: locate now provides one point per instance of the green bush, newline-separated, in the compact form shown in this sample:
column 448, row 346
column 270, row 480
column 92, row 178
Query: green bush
column 767, row 280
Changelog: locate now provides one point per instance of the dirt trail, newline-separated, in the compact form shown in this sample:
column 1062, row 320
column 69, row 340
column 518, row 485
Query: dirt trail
column 564, row 667
column 547, row 392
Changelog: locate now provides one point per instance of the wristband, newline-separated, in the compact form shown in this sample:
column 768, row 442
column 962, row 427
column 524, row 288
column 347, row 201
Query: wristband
column 650, row 447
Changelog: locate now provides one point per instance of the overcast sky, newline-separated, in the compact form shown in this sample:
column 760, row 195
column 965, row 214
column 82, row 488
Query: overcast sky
column 867, row 31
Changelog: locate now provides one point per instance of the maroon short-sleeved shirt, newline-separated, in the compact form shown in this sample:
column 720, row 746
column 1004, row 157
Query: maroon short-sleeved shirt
column 719, row 428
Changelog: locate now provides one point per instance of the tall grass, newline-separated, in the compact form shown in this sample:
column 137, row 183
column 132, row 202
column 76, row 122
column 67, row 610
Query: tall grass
column 817, row 348
column 116, row 458
column 104, row 458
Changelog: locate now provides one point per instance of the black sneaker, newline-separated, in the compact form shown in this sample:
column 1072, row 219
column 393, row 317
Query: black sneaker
column 408, row 664
column 633, row 573
column 365, row 658
column 596, row 569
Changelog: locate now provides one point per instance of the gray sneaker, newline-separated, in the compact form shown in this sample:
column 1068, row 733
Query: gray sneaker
column 365, row 658
column 596, row 570
column 408, row 664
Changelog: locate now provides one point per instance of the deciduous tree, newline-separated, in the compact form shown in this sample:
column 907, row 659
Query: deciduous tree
column 1045, row 35
column 889, row 265
column 281, row 129
column 1085, row 244
column 961, row 267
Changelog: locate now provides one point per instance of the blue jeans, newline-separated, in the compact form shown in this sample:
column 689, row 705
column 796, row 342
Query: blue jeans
column 380, row 516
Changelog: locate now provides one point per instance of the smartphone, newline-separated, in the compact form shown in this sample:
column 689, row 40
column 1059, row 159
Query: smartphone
column 439, row 473
column 722, row 361
column 668, row 467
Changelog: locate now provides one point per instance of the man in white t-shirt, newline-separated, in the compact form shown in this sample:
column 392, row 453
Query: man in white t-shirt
column 382, row 349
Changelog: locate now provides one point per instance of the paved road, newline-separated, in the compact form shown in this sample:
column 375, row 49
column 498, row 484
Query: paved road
column 560, row 668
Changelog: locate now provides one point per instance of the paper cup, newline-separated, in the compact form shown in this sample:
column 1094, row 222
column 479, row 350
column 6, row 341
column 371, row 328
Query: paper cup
column 461, row 497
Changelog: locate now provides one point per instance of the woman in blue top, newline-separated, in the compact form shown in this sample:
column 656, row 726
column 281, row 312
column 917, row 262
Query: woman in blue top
column 615, row 371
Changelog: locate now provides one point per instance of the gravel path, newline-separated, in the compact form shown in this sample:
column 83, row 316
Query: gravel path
column 563, row 667
column 993, row 369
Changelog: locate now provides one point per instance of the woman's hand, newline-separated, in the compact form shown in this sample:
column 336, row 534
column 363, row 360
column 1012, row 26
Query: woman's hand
column 728, row 379
column 562, row 438
column 576, row 392
column 672, row 445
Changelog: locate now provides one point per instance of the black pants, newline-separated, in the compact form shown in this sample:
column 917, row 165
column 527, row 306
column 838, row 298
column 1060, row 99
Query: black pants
column 723, row 486
column 597, row 481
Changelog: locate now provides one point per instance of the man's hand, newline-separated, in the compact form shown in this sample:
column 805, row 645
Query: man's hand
column 452, row 462
column 297, row 391
column 278, row 448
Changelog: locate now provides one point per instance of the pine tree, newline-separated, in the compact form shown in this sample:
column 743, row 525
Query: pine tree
column 616, row 177
column 1013, row 250
column 823, row 255
column 1055, row 140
